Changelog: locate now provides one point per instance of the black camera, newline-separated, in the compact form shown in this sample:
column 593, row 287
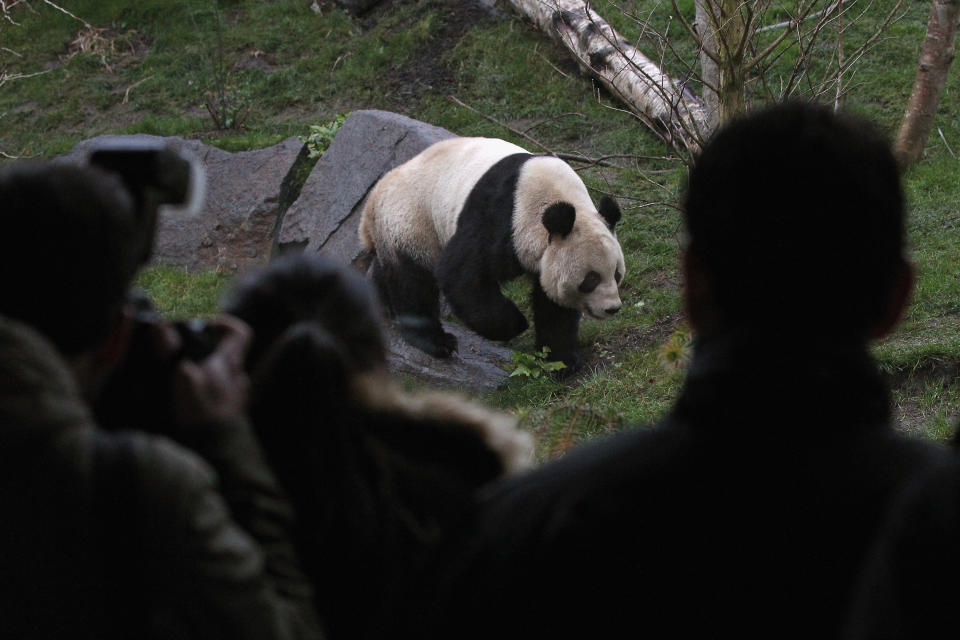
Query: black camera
column 157, row 175
column 160, row 178
column 138, row 393
column 198, row 339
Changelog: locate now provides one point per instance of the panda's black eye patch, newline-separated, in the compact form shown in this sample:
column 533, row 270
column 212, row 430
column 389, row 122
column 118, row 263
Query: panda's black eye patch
column 590, row 282
column 617, row 275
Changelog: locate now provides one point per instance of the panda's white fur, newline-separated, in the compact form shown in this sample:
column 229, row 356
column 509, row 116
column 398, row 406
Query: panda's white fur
column 414, row 211
column 431, row 187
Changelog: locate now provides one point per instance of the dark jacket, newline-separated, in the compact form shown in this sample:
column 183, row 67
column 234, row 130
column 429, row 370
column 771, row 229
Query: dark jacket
column 911, row 588
column 149, row 548
column 746, row 513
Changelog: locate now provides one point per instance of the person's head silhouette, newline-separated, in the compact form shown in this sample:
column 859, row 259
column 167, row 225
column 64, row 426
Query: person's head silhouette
column 795, row 222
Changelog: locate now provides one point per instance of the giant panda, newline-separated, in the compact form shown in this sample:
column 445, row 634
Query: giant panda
column 468, row 214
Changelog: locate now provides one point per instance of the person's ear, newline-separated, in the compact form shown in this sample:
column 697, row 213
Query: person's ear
column 898, row 298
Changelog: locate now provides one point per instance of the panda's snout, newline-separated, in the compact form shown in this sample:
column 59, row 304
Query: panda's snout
column 612, row 310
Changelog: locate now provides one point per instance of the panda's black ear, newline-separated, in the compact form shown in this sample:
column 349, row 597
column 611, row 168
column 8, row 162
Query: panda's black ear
column 559, row 217
column 610, row 211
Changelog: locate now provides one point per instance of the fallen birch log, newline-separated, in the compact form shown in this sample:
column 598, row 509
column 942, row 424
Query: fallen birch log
column 671, row 110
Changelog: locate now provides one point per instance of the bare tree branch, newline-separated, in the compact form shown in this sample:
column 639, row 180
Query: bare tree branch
column 602, row 161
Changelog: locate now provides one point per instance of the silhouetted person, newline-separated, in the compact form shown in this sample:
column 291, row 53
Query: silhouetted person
column 122, row 534
column 911, row 587
column 378, row 476
column 748, row 510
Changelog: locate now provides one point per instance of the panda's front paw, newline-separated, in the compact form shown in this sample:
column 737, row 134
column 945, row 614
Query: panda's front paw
column 439, row 344
column 571, row 363
column 447, row 345
column 568, row 371
column 518, row 324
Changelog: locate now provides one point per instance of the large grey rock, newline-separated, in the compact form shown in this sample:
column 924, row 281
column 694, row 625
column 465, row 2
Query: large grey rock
column 326, row 216
column 477, row 364
column 237, row 225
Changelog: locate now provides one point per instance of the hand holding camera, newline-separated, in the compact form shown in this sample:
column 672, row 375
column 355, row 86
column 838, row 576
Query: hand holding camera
column 211, row 389
column 176, row 376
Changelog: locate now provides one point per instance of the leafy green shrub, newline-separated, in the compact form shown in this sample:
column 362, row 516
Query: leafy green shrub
column 321, row 135
column 533, row 365
column 675, row 354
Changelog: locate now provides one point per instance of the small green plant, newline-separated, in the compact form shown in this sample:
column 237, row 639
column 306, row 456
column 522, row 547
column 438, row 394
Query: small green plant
column 227, row 102
column 321, row 135
column 675, row 354
column 533, row 365
column 228, row 107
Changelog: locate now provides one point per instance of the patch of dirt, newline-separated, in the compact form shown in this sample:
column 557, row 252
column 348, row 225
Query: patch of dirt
column 427, row 70
column 604, row 354
column 918, row 377
column 664, row 279
column 255, row 61
column 909, row 417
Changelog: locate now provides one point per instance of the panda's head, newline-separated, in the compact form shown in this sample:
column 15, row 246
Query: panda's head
column 582, row 265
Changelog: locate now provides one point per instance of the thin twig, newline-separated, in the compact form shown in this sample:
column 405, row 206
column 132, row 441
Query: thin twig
column 126, row 94
column 502, row 124
column 572, row 157
column 341, row 57
column 4, row 154
column 942, row 137
column 556, row 117
column 547, row 60
column 840, row 30
column 59, row 8
column 6, row 77
column 792, row 23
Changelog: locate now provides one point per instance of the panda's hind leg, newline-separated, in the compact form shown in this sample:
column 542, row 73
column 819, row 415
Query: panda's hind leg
column 410, row 292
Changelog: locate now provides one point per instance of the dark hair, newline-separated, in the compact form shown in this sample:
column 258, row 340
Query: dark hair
column 66, row 250
column 795, row 215
column 297, row 288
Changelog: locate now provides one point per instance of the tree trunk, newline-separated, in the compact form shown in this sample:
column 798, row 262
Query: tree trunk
column 673, row 111
column 729, row 33
column 709, row 71
column 935, row 58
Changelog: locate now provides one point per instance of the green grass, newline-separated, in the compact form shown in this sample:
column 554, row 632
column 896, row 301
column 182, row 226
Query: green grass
column 283, row 67
column 179, row 294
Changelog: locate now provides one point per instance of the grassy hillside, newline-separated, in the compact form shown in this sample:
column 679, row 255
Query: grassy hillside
column 269, row 69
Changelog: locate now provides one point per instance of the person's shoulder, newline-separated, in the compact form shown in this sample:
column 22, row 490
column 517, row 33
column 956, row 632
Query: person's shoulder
column 591, row 477
column 620, row 455
column 34, row 375
column 908, row 454
column 178, row 505
column 167, row 464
